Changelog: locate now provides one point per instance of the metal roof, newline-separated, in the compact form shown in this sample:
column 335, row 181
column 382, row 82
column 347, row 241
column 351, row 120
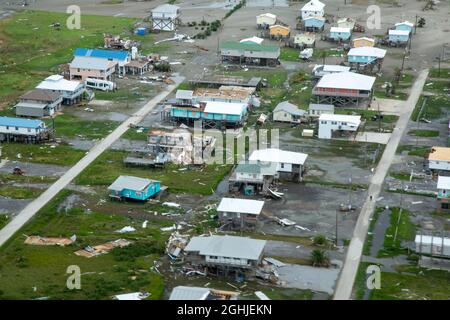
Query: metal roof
column 249, row 46
column 99, row 53
column 166, row 8
column 346, row 80
column 315, row 18
column 365, row 38
column 58, row 83
column 90, row 63
column 339, row 29
column 319, row 106
column 313, row 5
column 439, row 154
column 253, row 39
column 231, row 108
column 34, row 105
column 289, row 108
column 184, row 94
column 331, row 68
column 367, row 52
column 41, row 95
column 189, row 293
column 265, row 168
column 279, row 156
column 129, row 182
column 355, row 120
column 407, row 23
column 443, row 183
column 21, row 122
column 227, row 246
column 240, row 206
column 399, row 32
column 269, row 15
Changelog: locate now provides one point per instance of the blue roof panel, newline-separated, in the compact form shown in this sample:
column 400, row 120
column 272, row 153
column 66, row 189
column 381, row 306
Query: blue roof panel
column 20, row 122
column 98, row 53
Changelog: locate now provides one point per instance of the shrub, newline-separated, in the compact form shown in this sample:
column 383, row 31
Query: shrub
column 320, row 240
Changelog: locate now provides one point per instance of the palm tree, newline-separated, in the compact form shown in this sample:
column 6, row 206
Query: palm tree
column 319, row 258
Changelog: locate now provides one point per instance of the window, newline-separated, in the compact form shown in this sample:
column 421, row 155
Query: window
column 282, row 165
column 334, row 122
column 323, row 122
column 7, row 127
column 29, row 130
column 17, row 128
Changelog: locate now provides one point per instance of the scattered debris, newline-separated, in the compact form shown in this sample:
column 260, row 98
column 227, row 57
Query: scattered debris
column 44, row 241
column 261, row 295
column 126, row 229
column 90, row 252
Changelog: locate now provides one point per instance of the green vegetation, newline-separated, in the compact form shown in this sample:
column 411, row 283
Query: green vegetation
column 44, row 267
column 423, row 133
column 432, row 108
column 32, row 49
column 319, row 258
column 9, row 177
column 275, row 78
column 319, row 54
column 434, row 73
column 235, row 8
column 320, row 240
column 133, row 134
column 4, row 219
column 122, row 94
column 19, row 193
column 404, row 176
column 414, row 150
column 439, row 87
column 400, row 229
column 288, row 294
column 59, row 155
column 289, row 54
column 69, row 126
column 360, row 280
column 106, row 168
column 369, row 238
column 413, row 283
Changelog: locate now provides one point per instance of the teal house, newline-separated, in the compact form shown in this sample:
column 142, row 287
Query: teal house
column 340, row 34
column 128, row 187
column 405, row 26
column 366, row 55
column 399, row 36
column 314, row 23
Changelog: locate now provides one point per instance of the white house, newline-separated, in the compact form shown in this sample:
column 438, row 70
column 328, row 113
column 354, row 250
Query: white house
column 288, row 162
column 266, row 20
column 287, row 112
column 443, row 194
column 72, row 91
column 239, row 212
column 20, row 126
column 435, row 246
column 165, row 17
column 337, row 122
column 312, row 9
column 316, row 109
column 439, row 159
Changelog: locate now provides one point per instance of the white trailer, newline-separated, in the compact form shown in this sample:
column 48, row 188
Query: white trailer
column 99, row 84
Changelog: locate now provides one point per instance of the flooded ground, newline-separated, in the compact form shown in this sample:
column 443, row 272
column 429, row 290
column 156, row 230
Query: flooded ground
column 35, row 169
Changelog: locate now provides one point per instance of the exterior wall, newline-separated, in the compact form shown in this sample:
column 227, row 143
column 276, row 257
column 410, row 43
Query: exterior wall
column 341, row 92
column 249, row 176
column 265, row 21
column 152, row 189
column 78, row 73
column 439, row 165
column 282, row 116
column 314, row 23
column 318, row 112
column 398, row 38
column 250, row 54
column 163, row 24
column 307, row 13
column 340, row 35
column 21, row 130
column 190, row 114
column 276, row 31
column 404, row 27
column 326, row 128
column 228, row 261
column 361, row 59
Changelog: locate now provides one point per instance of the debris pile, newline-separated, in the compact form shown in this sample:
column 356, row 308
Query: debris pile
column 176, row 243
column 90, row 252
column 44, row 241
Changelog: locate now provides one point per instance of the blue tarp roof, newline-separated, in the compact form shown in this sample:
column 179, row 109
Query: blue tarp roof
column 98, row 53
column 20, row 122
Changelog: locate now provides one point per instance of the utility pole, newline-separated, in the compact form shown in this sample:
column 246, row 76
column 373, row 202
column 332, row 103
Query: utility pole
column 415, row 25
column 379, row 116
column 336, row 240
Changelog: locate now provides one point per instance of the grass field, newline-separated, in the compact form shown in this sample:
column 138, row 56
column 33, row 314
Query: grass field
column 424, row 133
column 289, row 54
column 19, row 193
column 59, row 155
column 400, row 229
column 106, row 168
column 31, row 49
column 4, row 219
column 413, row 150
column 69, row 126
column 433, row 108
column 434, row 73
column 24, row 267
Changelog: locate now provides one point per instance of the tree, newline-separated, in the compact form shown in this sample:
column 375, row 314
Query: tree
column 319, row 258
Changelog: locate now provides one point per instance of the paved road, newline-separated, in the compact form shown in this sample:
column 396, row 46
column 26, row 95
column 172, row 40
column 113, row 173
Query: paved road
column 347, row 278
column 30, row 210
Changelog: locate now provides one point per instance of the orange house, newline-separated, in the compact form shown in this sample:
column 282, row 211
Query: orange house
column 278, row 31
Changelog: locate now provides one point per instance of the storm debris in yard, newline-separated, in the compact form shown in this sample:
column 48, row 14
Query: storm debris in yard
column 90, row 252
column 44, row 241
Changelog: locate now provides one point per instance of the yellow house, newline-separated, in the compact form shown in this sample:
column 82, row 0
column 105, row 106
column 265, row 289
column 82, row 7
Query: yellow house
column 363, row 42
column 278, row 31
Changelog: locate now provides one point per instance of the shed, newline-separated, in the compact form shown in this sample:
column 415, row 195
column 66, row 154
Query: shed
column 287, row 112
column 128, row 187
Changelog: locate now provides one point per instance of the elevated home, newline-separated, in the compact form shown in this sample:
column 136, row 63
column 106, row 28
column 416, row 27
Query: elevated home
column 138, row 67
column 439, row 159
column 249, row 53
column 343, row 88
column 265, row 20
column 363, row 42
column 184, row 98
column 165, row 17
column 198, row 293
column 346, row 23
column 438, row 246
column 225, row 255
column 405, row 25
column 365, row 56
column 252, row 177
column 38, row 103
column 23, row 130
column 230, row 94
column 213, row 114
column 278, row 32
column 312, row 8
column 239, row 214
column 128, row 187
column 315, row 109
column 443, row 194
column 120, row 56
column 289, row 164
column 320, row 70
column 305, row 40
column 181, row 146
column 340, row 34
column 337, row 124
column 82, row 68
column 71, row 91
column 398, row 36
column 314, row 23
column 288, row 112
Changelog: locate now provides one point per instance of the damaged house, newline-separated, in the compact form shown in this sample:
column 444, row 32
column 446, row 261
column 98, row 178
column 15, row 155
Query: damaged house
column 239, row 214
column 252, row 177
column 198, row 293
column 181, row 146
column 226, row 255
column 289, row 164
column 249, row 53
